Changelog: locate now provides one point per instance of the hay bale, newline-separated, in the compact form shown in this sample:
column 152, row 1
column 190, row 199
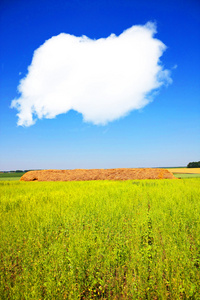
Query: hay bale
column 97, row 174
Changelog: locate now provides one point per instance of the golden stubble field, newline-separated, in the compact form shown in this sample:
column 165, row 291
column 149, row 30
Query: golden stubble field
column 185, row 170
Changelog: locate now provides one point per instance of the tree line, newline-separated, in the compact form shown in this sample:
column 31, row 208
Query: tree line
column 194, row 164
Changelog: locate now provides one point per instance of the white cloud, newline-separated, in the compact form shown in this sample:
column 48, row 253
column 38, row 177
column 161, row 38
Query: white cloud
column 102, row 79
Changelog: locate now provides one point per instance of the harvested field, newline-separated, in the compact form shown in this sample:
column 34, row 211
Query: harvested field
column 97, row 174
column 185, row 170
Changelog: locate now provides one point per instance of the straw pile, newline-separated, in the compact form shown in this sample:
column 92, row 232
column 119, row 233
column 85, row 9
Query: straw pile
column 97, row 174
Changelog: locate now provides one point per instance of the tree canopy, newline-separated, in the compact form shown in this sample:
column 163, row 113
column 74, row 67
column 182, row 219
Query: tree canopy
column 194, row 164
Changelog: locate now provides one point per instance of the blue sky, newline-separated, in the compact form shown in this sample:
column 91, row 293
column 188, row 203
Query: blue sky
column 163, row 133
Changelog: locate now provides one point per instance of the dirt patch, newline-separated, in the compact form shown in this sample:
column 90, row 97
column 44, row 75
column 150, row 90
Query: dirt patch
column 97, row 174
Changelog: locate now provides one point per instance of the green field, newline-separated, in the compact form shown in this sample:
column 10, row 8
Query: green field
column 184, row 175
column 100, row 240
column 11, row 176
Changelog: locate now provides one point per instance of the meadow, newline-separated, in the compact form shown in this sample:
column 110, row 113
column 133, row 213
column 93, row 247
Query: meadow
column 100, row 239
column 11, row 176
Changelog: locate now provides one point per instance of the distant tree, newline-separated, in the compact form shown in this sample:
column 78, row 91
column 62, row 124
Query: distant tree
column 194, row 164
column 19, row 171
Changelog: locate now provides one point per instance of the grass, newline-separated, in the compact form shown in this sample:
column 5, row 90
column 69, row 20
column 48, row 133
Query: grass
column 184, row 175
column 11, row 176
column 100, row 240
